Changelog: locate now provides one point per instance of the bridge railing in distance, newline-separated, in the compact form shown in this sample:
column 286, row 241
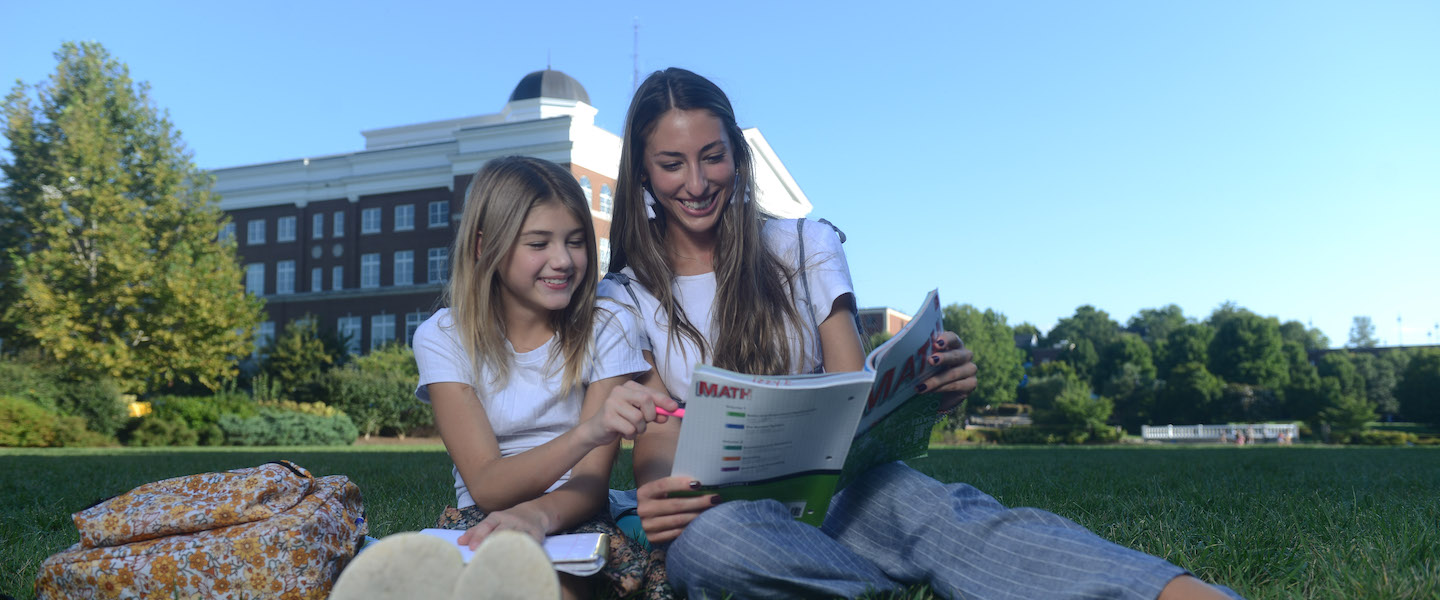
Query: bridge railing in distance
column 1253, row 432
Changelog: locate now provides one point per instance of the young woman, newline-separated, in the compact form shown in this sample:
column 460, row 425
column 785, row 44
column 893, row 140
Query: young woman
column 713, row 282
column 531, row 382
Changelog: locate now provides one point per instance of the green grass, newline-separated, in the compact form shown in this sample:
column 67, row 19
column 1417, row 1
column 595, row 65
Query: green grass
column 1307, row 522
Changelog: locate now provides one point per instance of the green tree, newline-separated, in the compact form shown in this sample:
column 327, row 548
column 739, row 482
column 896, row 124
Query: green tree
column 1419, row 389
column 120, row 270
column 1381, row 377
column 1247, row 348
column 1348, row 414
column 1340, row 365
column 299, row 356
column 1299, row 396
column 1362, row 333
column 1126, row 375
column 1155, row 324
column 993, row 342
column 1189, row 395
column 1190, row 343
column 1308, row 337
column 1088, row 323
column 377, row 391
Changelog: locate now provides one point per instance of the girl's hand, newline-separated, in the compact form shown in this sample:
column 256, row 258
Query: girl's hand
column 627, row 410
column 663, row 517
column 955, row 377
column 521, row 518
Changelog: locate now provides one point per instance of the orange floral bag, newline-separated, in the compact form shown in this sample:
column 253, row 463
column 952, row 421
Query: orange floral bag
column 273, row 531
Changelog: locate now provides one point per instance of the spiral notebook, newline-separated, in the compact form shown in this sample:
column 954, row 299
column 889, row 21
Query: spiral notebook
column 581, row 554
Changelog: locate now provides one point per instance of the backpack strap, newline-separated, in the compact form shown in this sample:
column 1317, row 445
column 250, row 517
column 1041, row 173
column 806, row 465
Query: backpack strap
column 624, row 280
column 805, row 283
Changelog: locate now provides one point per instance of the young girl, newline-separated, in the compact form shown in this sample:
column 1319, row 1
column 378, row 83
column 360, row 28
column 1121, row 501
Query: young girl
column 530, row 380
column 715, row 284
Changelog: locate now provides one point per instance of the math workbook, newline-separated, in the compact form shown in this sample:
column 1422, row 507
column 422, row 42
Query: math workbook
column 799, row 439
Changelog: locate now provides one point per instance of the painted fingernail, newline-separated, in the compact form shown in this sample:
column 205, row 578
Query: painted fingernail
column 715, row 499
column 920, row 388
column 934, row 359
column 694, row 485
column 940, row 343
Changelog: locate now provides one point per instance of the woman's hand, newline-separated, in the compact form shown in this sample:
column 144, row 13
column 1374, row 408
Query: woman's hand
column 954, row 377
column 663, row 517
column 627, row 410
column 521, row 518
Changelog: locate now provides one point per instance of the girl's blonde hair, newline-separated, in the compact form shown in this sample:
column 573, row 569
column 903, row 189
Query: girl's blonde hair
column 747, row 274
column 501, row 195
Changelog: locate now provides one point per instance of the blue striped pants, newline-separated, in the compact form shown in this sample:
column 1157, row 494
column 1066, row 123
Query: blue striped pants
column 895, row 527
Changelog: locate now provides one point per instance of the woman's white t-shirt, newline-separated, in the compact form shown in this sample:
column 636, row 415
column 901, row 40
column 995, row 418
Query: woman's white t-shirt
column 528, row 410
column 825, row 269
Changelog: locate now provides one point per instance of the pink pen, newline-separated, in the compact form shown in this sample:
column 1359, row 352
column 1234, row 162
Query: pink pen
column 679, row 412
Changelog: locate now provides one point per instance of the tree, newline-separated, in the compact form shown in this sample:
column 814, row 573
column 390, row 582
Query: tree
column 1308, row 337
column 1126, row 375
column 1189, row 343
column 299, row 356
column 1341, row 366
column 1155, row 324
column 1362, row 333
column 1088, row 323
column 120, row 270
column 1247, row 348
column 1419, row 389
column 1190, row 395
column 1381, row 377
column 993, row 342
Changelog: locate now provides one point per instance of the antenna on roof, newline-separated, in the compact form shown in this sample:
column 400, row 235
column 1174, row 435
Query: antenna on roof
column 635, row 59
column 547, row 59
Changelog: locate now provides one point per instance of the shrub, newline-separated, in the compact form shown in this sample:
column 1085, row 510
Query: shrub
column 276, row 427
column 377, row 391
column 26, row 424
column 202, row 413
column 39, row 385
column 1375, row 437
column 99, row 402
column 154, row 431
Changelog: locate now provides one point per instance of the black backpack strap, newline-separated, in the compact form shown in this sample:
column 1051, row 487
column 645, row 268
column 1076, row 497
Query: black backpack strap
column 624, row 280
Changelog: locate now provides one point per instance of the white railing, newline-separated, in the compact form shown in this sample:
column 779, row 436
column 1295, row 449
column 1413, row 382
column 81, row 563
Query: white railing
column 1265, row 432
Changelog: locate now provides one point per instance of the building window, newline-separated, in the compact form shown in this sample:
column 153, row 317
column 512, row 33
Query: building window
column 607, row 200
column 382, row 330
column 437, row 265
column 285, row 229
column 370, row 220
column 370, row 270
column 285, row 277
column 337, row 224
column 255, row 279
column 227, row 231
column 255, row 232
column 317, row 226
column 405, row 217
column 440, row 213
column 337, row 277
column 317, row 279
column 412, row 322
column 585, row 187
column 349, row 330
column 603, row 254
column 264, row 336
column 404, row 267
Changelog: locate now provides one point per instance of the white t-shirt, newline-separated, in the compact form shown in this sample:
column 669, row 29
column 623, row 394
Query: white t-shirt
column 825, row 268
column 529, row 409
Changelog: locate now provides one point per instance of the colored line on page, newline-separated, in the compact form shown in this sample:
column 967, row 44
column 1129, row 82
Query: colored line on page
column 730, row 448
column 729, row 458
column 734, row 414
column 734, row 426
column 723, row 469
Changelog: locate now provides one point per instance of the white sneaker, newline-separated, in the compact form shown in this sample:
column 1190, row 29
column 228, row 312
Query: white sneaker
column 404, row 566
column 509, row 565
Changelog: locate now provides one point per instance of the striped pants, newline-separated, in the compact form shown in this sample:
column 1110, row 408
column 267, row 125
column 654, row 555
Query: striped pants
column 895, row 527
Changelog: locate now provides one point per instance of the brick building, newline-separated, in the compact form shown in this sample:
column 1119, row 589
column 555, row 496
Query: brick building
column 361, row 240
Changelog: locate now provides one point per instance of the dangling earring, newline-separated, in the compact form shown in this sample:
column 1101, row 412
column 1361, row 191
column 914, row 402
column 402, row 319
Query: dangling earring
column 736, row 191
column 649, row 205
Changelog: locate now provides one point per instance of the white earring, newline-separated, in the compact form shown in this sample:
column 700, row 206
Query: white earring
column 649, row 205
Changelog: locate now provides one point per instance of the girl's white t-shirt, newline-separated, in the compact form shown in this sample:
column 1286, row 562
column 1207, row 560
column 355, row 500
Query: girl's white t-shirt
column 825, row 269
column 529, row 409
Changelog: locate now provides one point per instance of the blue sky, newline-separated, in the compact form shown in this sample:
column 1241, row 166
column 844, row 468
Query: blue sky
column 1028, row 157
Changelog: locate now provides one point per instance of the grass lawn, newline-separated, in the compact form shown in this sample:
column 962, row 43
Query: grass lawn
column 1270, row 522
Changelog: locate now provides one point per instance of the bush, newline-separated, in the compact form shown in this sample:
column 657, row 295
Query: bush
column 32, row 382
column 201, row 414
column 26, row 424
column 100, row 403
column 155, row 431
column 1374, row 437
column 276, row 427
column 377, row 391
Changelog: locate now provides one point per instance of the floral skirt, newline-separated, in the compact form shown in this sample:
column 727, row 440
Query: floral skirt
column 629, row 570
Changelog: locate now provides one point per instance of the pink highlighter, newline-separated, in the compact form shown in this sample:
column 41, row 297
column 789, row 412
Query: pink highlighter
column 679, row 412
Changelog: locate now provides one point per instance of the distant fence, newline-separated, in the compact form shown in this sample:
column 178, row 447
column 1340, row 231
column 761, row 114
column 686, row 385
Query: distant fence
column 1267, row 432
column 997, row 422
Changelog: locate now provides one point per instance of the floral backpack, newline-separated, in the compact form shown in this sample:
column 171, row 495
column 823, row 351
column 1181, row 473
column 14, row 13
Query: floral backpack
column 270, row 531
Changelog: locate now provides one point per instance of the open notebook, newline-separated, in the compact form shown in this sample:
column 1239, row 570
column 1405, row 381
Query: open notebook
column 581, row 554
